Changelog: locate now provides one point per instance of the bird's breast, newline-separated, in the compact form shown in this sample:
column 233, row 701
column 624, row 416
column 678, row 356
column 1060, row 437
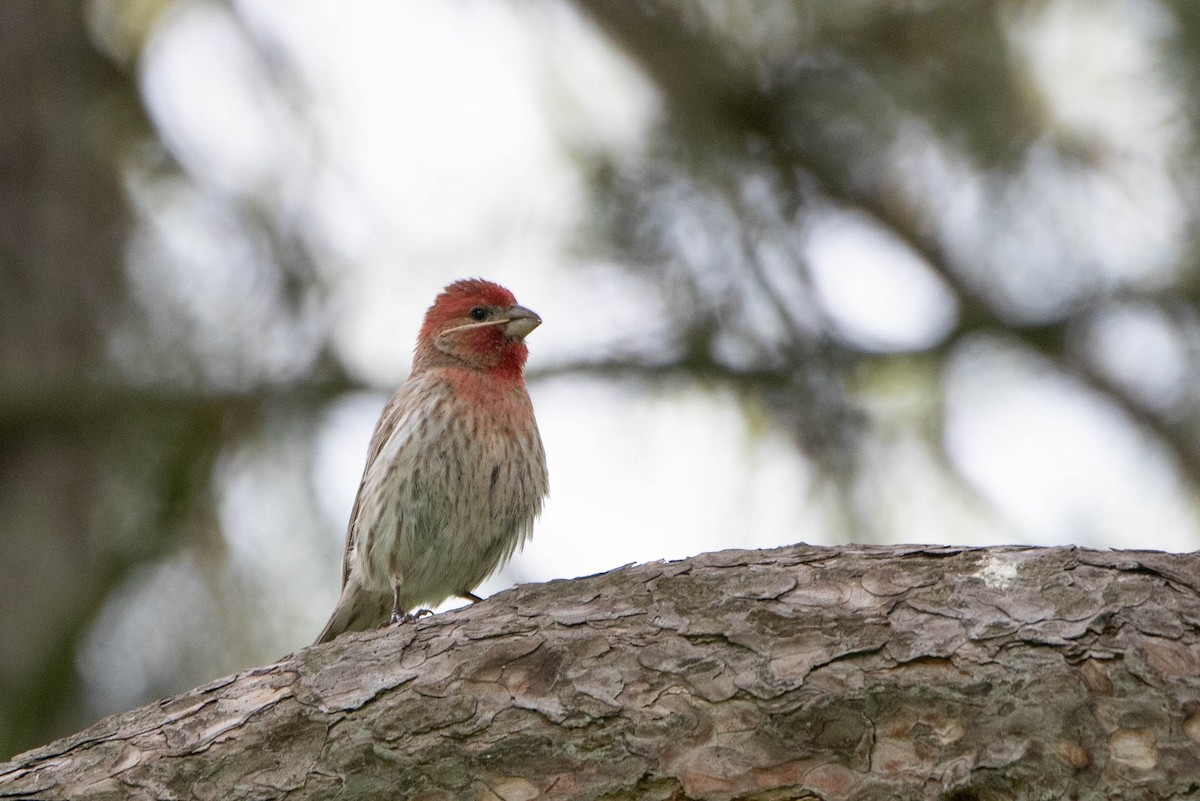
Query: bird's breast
column 454, row 490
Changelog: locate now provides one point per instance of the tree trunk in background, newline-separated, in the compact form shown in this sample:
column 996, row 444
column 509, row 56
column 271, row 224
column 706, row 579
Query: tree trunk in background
column 852, row 673
column 63, row 219
column 62, row 228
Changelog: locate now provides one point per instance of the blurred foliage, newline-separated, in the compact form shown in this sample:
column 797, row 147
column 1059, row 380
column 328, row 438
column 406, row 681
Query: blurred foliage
column 898, row 113
column 123, row 407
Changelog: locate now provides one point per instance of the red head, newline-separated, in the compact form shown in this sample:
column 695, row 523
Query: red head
column 477, row 324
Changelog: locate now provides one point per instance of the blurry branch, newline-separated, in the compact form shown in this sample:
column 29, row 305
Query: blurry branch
column 696, row 365
column 85, row 406
column 714, row 98
column 1049, row 340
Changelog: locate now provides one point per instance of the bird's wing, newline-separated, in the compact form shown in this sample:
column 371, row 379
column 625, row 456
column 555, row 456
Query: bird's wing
column 389, row 427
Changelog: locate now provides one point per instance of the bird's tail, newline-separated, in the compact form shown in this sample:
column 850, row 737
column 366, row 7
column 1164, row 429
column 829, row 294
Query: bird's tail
column 356, row 610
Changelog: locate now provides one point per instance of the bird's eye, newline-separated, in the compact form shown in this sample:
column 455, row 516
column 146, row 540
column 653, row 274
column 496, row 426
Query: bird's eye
column 478, row 313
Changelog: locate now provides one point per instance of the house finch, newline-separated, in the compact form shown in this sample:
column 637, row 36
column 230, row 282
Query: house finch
column 455, row 470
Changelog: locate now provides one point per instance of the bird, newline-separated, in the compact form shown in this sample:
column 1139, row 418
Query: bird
column 456, row 471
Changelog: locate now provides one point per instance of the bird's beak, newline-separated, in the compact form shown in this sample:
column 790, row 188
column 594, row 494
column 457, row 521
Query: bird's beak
column 520, row 322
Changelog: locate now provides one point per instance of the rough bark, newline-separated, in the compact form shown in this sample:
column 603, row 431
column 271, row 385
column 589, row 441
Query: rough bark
column 796, row 673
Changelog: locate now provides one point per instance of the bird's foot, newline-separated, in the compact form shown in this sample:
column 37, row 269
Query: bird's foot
column 408, row 617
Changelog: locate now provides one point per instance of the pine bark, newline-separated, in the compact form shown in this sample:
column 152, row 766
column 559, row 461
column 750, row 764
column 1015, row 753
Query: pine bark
column 902, row 672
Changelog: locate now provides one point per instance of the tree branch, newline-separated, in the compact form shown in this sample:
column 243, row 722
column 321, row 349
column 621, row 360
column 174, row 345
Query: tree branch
column 800, row 672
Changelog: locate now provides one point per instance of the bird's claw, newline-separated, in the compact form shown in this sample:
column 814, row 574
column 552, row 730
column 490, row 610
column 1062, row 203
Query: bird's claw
column 409, row 617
